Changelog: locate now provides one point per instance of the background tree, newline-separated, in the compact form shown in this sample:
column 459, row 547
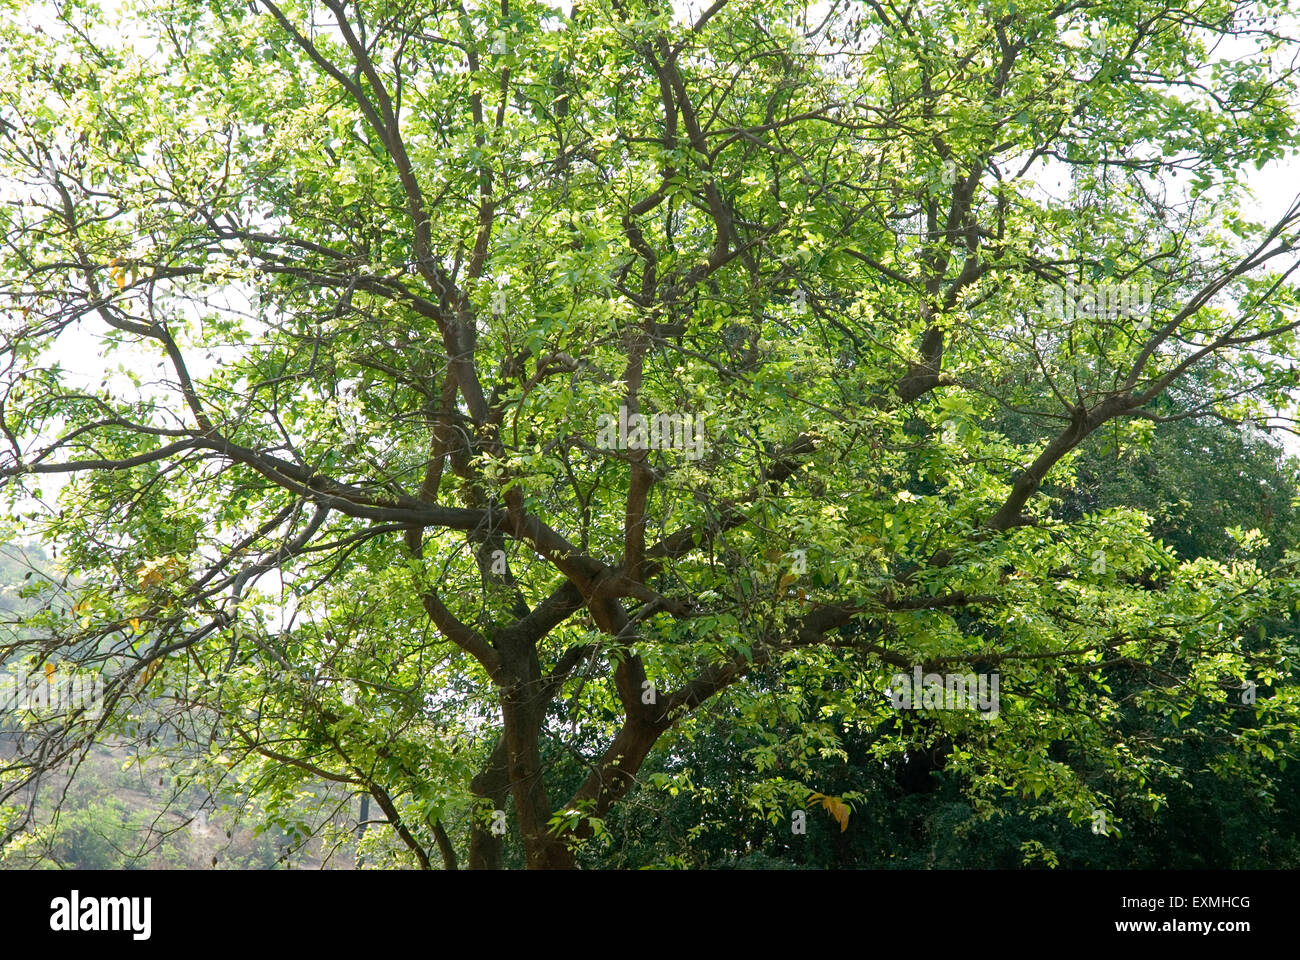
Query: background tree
column 393, row 263
column 1207, row 804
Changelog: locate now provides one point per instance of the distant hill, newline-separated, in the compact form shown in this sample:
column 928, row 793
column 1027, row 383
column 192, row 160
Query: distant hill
column 113, row 815
column 19, row 565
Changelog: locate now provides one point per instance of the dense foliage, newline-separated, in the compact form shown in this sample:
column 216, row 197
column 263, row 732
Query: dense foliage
column 505, row 412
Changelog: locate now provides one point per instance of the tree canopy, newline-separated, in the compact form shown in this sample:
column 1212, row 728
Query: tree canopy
column 462, row 403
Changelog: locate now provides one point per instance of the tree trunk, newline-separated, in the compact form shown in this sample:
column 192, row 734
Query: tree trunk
column 522, row 716
column 492, row 784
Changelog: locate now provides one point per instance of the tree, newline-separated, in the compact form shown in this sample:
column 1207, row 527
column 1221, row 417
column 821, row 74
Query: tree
column 526, row 381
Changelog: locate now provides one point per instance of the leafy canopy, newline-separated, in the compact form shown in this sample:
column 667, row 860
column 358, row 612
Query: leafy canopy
column 313, row 311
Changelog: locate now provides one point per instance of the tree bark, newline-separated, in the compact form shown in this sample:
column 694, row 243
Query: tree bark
column 522, row 709
column 492, row 784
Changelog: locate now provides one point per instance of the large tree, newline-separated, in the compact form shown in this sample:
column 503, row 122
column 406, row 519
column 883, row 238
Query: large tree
column 320, row 314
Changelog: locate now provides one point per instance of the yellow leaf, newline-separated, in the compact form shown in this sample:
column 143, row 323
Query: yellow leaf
column 149, row 672
column 149, row 576
column 840, row 811
column 135, row 624
column 117, row 273
column 836, row 807
column 49, row 673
